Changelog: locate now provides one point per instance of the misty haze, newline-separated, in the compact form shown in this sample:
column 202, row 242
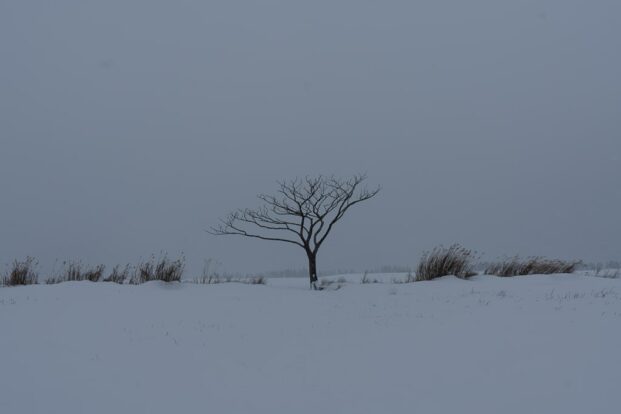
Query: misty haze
column 310, row 206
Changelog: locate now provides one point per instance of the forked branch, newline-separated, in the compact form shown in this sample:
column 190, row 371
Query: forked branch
column 303, row 211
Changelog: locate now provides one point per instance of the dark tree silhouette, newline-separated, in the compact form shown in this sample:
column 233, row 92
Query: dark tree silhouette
column 303, row 213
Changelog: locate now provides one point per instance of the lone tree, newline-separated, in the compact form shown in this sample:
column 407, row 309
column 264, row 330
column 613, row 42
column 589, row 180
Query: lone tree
column 303, row 213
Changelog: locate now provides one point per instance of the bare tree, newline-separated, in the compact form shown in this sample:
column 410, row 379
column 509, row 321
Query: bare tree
column 303, row 213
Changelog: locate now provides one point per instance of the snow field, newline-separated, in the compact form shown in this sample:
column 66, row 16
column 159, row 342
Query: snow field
column 546, row 344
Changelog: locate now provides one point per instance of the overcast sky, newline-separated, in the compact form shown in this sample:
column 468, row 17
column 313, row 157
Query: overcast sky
column 127, row 127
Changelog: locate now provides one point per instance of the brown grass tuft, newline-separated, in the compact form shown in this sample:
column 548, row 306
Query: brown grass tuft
column 21, row 273
column 443, row 261
column 515, row 266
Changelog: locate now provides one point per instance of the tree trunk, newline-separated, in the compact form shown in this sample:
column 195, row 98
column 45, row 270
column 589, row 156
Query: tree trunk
column 312, row 270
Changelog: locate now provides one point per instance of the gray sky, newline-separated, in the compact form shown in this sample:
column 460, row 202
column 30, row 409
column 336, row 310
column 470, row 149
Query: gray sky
column 128, row 127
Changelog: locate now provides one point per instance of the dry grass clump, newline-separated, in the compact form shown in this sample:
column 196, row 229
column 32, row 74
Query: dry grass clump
column 211, row 277
column 75, row 271
column 119, row 275
column 21, row 273
column 443, row 261
column 215, row 279
column 516, row 266
column 163, row 269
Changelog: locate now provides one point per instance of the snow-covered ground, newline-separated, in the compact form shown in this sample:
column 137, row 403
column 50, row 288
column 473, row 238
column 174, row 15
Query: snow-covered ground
column 535, row 344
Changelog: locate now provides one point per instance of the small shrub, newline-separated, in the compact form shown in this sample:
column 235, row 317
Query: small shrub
column 516, row 266
column 119, row 275
column 93, row 274
column 443, row 261
column 162, row 269
column 77, row 272
column 22, row 273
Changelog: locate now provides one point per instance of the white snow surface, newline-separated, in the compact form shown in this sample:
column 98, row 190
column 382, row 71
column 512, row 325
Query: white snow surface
column 531, row 344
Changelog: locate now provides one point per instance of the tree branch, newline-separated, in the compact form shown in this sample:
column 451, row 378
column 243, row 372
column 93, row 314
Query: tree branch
column 308, row 208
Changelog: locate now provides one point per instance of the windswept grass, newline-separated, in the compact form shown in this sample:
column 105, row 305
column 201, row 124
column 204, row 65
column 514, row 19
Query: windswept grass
column 215, row 279
column 21, row 273
column 443, row 261
column 163, row 269
column 517, row 266
column 75, row 271
column 119, row 275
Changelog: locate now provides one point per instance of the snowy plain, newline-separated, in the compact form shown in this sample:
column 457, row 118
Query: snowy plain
column 530, row 344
